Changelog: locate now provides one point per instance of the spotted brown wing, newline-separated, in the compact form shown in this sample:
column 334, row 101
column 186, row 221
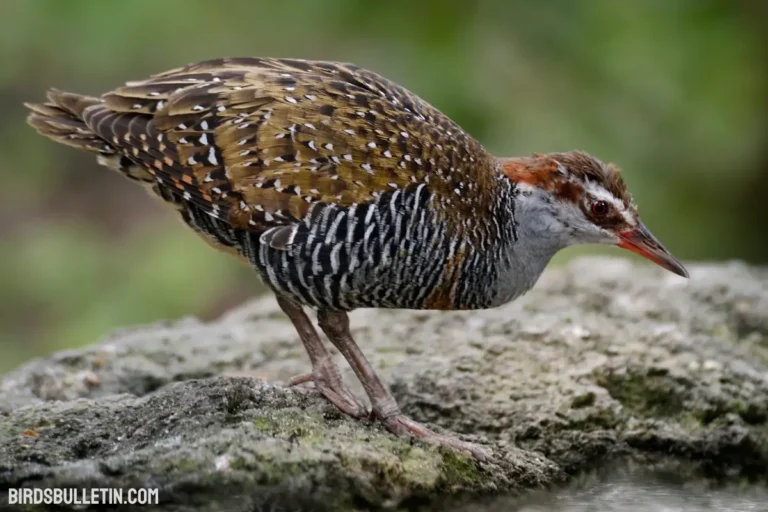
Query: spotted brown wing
column 257, row 142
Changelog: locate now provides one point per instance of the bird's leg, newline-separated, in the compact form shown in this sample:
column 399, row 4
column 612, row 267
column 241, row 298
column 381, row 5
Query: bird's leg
column 385, row 408
column 325, row 374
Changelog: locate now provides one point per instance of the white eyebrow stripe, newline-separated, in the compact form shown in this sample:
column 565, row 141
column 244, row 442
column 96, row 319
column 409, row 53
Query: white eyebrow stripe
column 599, row 192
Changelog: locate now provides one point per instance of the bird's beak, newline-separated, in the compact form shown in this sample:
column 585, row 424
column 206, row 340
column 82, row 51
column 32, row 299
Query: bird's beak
column 641, row 241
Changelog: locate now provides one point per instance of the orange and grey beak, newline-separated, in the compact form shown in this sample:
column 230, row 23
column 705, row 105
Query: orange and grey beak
column 642, row 242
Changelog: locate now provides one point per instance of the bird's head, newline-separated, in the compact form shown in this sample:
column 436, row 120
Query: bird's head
column 577, row 199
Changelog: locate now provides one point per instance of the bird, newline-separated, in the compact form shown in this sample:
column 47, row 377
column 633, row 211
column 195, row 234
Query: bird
column 345, row 190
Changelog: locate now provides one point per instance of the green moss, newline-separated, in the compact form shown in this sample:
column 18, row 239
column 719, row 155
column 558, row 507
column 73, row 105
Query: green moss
column 691, row 421
column 303, row 427
column 184, row 465
column 422, row 465
column 649, row 396
column 597, row 419
column 658, row 396
column 266, row 425
column 239, row 463
column 42, row 422
column 461, row 471
column 584, row 400
column 721, row 331
column 278, row 473
column 752, row 413
column 238, row 399
column 389, row 350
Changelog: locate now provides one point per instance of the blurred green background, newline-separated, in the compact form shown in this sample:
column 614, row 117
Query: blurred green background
column 675, row 92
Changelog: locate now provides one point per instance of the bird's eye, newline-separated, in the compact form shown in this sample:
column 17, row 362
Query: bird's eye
column 599, row 208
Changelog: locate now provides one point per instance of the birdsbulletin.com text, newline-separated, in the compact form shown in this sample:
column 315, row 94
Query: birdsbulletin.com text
column 99, row 496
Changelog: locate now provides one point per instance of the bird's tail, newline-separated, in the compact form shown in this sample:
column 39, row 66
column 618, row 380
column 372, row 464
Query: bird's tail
column 61, row 119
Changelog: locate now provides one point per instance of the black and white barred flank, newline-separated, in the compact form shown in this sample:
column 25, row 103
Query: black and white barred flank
column 389, row 253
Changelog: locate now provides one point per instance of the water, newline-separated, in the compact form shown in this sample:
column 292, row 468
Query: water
column 633, row 491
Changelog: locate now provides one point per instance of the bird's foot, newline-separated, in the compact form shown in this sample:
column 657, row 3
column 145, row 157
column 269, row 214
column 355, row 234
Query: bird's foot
column 402, row 425
column 327, row 379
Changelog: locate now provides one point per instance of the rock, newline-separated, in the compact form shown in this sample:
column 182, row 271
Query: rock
column 602, row 361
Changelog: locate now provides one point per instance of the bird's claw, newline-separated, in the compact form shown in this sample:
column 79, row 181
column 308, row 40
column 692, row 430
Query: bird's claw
column 402, row 425
column 327, row 380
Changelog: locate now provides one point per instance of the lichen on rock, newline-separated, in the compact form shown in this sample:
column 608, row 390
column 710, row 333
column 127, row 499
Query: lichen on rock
column 602, row 361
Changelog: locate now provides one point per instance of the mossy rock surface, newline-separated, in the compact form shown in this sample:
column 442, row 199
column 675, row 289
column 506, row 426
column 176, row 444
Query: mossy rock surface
column 603, row 361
